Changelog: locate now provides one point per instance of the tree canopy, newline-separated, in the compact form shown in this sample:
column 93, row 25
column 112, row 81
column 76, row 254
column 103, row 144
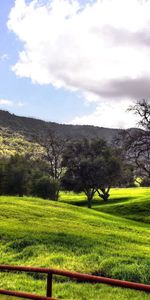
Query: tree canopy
column 91, row 167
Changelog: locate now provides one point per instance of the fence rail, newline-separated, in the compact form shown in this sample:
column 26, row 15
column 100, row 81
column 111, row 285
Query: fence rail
column 75, row 275
column 25, row 295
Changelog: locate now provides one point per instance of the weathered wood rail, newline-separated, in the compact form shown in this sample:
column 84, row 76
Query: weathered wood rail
column 74, row 275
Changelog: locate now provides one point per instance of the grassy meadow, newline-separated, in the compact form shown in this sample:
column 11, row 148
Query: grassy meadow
column 112, row 239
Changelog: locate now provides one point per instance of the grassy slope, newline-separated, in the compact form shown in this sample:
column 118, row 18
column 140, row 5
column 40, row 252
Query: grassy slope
column 45, row 233
column 131, row 203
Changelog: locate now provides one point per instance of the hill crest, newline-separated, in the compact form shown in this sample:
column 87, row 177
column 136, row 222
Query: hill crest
column 32, row 126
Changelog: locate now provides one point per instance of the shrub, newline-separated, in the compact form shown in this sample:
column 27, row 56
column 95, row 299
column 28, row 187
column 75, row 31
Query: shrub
column 145, row 182
column 46, row 188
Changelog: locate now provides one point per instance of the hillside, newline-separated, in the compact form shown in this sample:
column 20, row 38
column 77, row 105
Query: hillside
column 54, row 234
column 31, row 127
column 12, row 142
column 129, row 203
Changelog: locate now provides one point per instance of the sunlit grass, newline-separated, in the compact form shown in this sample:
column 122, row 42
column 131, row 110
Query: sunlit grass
column 131, row 203
column 99, row 241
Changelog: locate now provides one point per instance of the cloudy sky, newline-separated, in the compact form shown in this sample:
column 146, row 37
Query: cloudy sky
column 80, row 62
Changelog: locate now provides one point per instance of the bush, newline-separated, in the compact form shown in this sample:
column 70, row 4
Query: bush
column 2, row 176
column 145, row 182
column 17, row 177
column 46, row 187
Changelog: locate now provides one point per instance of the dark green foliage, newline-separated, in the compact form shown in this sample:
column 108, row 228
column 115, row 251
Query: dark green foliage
column 19, row 176
column 46, row 187
column 2, row 176
column 127, row 176
column 14, row 176
column 90, row 167
column 145, row 182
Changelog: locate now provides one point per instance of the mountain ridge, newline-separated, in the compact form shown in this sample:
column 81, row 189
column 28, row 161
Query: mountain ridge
column 30, row 127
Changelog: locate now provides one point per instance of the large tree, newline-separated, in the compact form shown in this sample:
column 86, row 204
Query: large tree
column 90, row 167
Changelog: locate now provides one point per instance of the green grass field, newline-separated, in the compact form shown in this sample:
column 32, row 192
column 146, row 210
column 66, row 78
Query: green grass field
column 131, row 203
column 110, row 240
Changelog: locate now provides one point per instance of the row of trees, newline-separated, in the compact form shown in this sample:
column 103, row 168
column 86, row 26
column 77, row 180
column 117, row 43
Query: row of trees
column 87, row 165
column 19, row 176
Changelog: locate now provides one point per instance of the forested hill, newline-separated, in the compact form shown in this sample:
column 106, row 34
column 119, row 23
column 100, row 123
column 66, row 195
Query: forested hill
column 32, row 127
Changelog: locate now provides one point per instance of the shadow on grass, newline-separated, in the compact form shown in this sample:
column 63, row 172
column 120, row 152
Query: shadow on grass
column 117, row 200
column 96, row 201
column 61, row 240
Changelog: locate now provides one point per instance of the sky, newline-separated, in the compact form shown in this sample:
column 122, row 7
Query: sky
column 75, row 62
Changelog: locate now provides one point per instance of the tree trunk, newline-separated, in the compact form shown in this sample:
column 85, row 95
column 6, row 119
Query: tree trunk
column 90, row 194
column 105, row 194
column 105, row 197
column 89, row 199
column 20, row 194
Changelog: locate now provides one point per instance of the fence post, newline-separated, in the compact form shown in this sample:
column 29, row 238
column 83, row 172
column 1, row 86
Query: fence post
column 49, row 285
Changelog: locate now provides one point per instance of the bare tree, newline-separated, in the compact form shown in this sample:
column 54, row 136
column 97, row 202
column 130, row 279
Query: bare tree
column 136, row 142
column 54, row 147
column 142, row 109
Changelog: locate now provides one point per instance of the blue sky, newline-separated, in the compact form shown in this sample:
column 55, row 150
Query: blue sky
column 31, row 99
column 74, row 62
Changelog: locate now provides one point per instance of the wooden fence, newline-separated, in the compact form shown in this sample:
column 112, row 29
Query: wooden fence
column 74, row 275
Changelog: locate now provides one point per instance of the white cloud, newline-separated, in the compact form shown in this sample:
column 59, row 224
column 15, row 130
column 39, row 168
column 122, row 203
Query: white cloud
column 76, row 49
column 5, row 102
column 109, row 115
column 100, row 49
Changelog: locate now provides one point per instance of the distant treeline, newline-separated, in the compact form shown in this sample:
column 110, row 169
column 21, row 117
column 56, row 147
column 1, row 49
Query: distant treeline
column 87, row 166
column 21, row 176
